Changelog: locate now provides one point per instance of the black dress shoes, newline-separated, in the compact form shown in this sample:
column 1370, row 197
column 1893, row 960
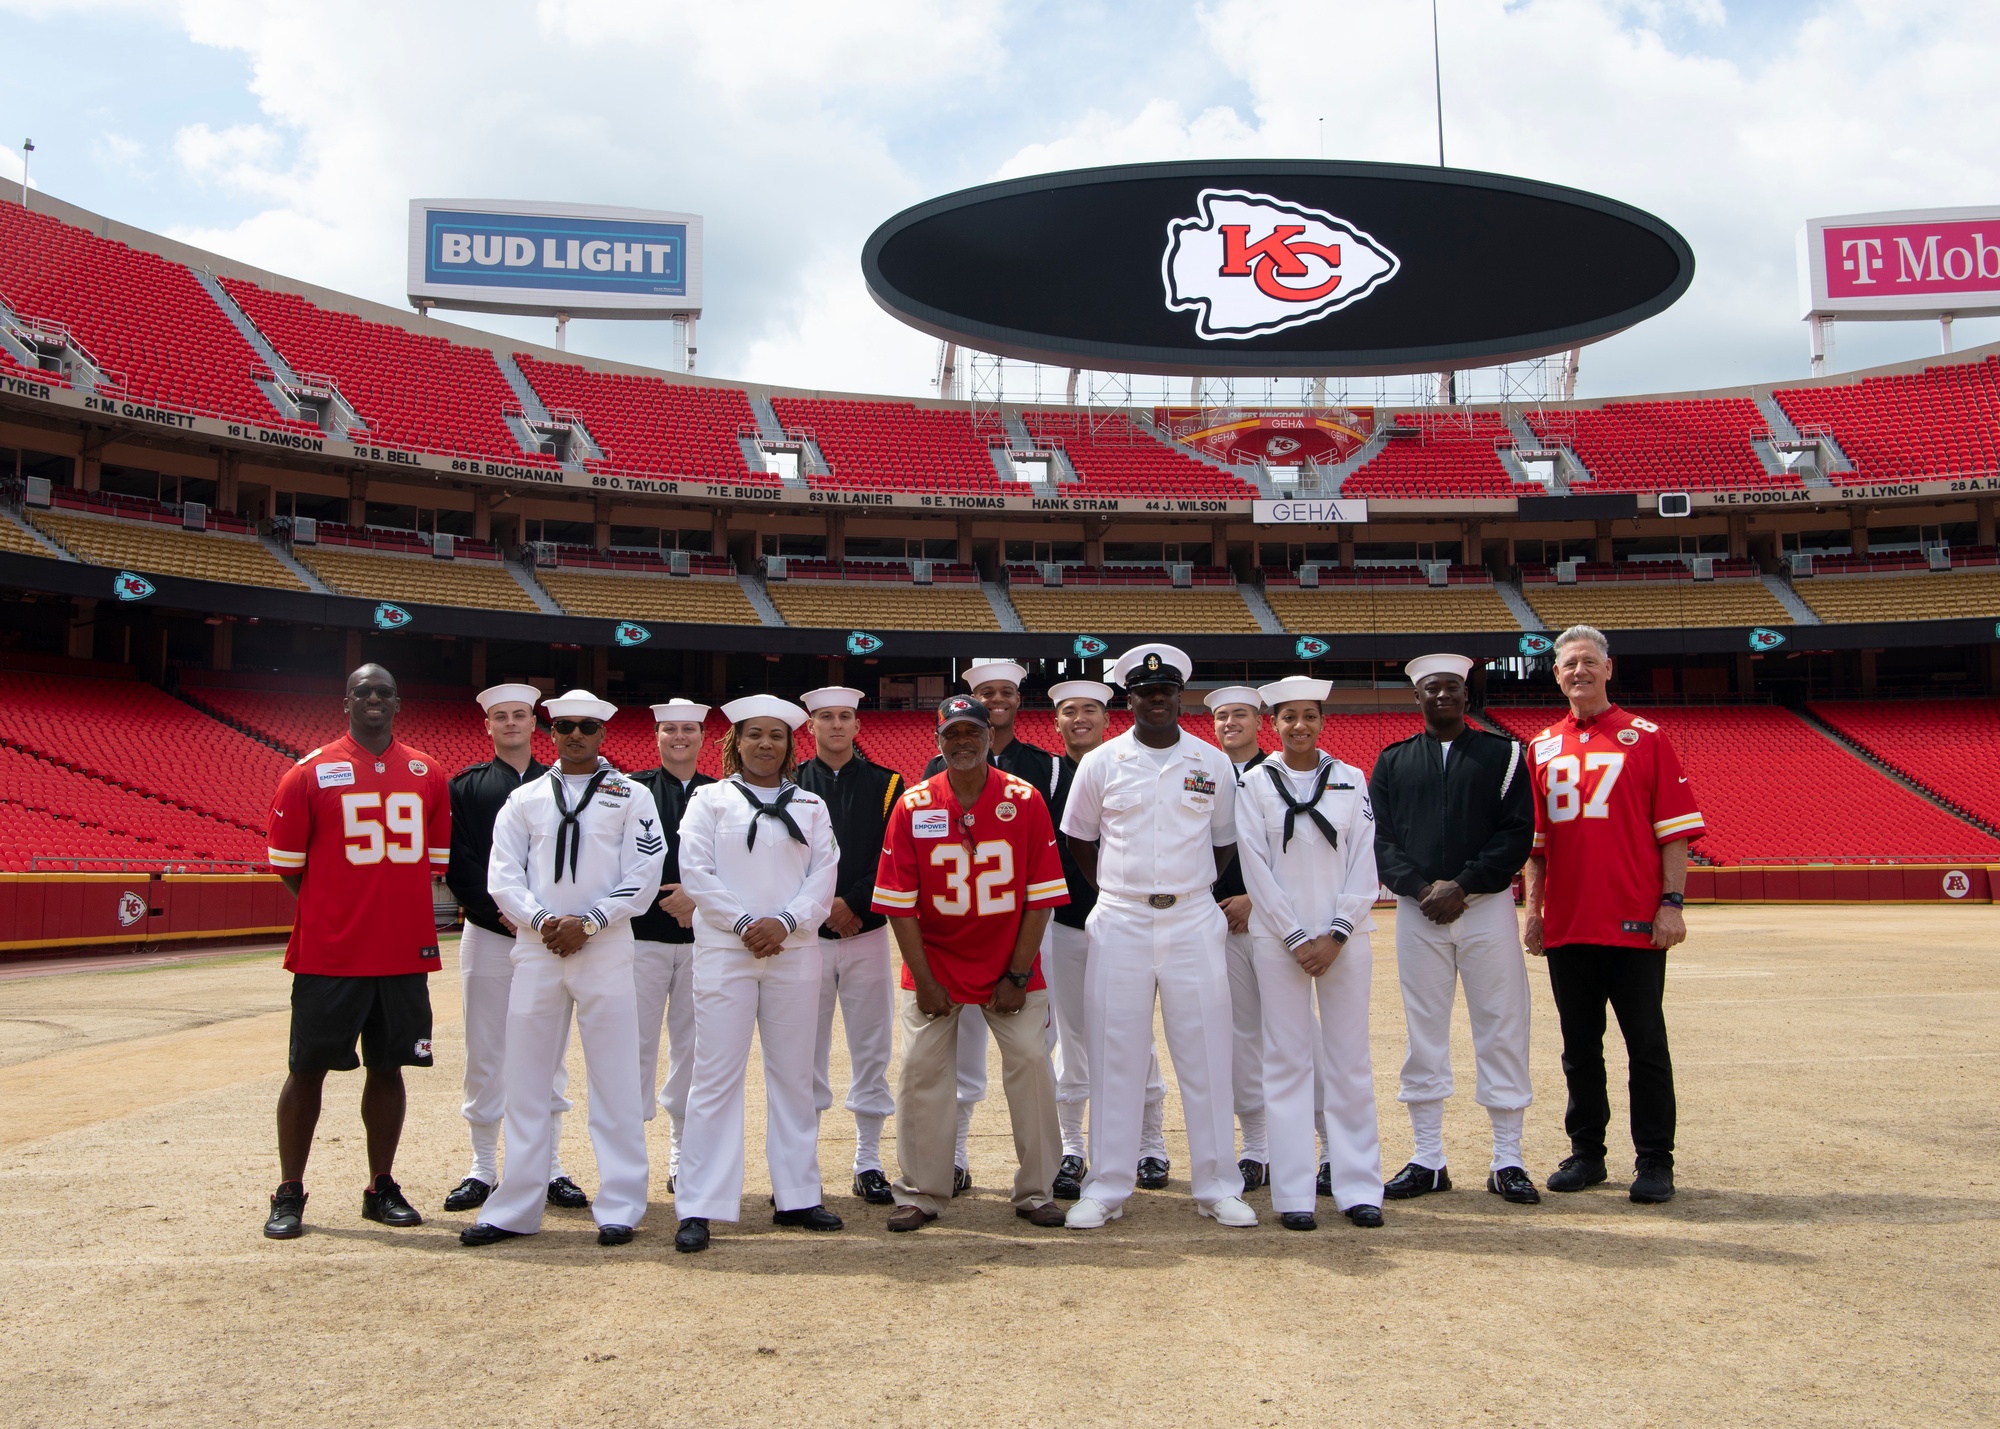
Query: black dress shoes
column 692, row 1234
column 1367, row 1217
column 1255, row 1173
column 1414, row 1180
column 567, row 1195
column 1577, row 1172
column 468, row 1195
column 483, row 1234
column 614, row 1235
column 808, row 1218
column 873, row 1187
column 1512, row 1183
column 1152, row 1174
column 961, row 1181
column 1069, row 1179
column 1299, row 1221
column 288, row 1209
column 1324, row 1186
column 1654, row 1183
column 386, row 1205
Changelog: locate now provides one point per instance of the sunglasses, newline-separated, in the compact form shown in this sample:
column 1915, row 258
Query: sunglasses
column 577, row 726
column 372, row 692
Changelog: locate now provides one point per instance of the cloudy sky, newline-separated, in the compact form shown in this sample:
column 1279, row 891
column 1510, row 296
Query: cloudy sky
column 293, row 136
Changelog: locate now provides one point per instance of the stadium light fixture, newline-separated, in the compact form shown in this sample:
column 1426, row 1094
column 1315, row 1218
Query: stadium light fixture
column 27, row 148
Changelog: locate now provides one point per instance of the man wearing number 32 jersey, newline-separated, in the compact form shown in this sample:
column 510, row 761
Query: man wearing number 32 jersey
column 356, row 830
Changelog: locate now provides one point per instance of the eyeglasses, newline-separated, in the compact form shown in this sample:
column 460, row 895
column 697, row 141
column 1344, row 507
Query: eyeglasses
column 577, row 726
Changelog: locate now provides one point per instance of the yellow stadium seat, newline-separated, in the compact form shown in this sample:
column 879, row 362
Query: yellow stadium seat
column 686, row 600
column 1142, row 612
column 1953, row 595
column 1391, row 608
column 485, row 584
column 16, row 542
column 873, row 606
column 160, row 550
column 1655, row 605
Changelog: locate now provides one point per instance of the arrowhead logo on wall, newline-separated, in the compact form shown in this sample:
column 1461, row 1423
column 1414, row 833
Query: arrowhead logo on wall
column 1311, row 647
column 1762, row 639
column 392, row 617
column 131, row 908
column 860, row 642
column 1532, row 645
column 1088, row 647
column 127, row 586
column 630, row 632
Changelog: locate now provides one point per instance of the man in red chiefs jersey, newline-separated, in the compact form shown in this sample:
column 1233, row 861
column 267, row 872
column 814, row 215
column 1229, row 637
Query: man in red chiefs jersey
column 968, row 876
column 357, row 829
column 1613, row 817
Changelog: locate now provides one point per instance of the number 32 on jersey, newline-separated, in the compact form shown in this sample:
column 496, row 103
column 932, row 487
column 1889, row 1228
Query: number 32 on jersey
column 977, row 879
column 1581, row 786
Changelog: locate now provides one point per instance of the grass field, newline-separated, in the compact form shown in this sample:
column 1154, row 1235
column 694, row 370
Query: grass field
column 1833, row 1256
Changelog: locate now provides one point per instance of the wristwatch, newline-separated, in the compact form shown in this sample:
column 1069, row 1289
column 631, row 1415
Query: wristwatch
column 1672, row 900
column 1018, row 979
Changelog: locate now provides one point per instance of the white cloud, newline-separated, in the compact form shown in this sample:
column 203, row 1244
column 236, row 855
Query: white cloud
column 10, row 167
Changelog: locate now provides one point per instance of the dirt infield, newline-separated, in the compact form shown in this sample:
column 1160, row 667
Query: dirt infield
column 1833, row 1257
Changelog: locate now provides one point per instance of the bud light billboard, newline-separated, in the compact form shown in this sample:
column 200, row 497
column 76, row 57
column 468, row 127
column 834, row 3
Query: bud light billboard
column 1275, row 267
column 547, row 258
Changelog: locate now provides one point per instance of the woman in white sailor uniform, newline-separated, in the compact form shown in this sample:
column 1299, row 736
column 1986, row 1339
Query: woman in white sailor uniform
column 1306, row 838
column 576, row 855
column 759, row 858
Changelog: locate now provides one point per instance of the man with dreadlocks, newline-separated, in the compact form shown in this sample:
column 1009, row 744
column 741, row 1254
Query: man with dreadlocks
column 577, row 853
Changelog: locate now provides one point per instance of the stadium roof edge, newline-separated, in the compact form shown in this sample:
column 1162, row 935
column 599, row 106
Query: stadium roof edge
column 187, row 254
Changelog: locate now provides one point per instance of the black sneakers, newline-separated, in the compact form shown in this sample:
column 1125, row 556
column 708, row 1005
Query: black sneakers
column 1512, row 1183
column 385, row 1204
column 1655, row 1182
column 288, row 1208
column 1414, row 1180
column 1069, row 1179
column 1578, row 1172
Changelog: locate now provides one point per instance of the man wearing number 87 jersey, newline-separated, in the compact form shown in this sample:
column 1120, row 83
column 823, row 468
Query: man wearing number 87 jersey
column 1613, row 817
column 357, row 829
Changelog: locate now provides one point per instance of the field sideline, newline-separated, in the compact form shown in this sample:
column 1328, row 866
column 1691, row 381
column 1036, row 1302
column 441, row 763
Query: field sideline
column 1833, row 1256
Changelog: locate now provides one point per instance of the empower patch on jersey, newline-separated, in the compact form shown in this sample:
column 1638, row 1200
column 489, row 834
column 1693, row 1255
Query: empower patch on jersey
column 333, row 774
column 931, row 824
column 1547, row 749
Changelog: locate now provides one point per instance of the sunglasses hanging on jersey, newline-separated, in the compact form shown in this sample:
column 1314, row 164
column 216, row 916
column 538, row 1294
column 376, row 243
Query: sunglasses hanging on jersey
column 577, row 726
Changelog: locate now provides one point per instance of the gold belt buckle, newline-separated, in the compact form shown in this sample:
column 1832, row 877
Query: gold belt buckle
column 1162, row 900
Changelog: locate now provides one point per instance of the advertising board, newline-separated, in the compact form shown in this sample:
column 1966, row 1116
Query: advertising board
column 1274, row 266
column 549, row 258
column 1885, row 267
column 1282, row 436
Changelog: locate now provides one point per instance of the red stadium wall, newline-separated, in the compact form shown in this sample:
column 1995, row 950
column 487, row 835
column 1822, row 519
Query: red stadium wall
column 45, row 911
column 1844, row 883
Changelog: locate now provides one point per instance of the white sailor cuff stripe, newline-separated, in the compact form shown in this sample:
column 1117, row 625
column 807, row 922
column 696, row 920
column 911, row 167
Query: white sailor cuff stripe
column 742, row 924
column 594, row 921
column 1343, row 929
column 791, row 923
column 541, row 917
column 1295, row 937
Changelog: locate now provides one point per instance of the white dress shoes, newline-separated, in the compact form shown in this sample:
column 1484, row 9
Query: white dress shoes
column 1229, row 1211
column 1089, row 1215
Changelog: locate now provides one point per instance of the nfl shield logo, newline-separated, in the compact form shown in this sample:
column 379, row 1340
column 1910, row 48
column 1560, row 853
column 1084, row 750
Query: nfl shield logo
column 860, row 642
column 1311, row 647
column 1762, row 639
column 391, row 617
column 1088, row 647
column 630, row 632
column 127, row 586
column 1536, row 645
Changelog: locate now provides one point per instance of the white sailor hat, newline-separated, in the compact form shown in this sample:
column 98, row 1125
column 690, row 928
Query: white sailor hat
column 985, row 670
column 508, row 695
column 579, row 704
column 832, row 697
column 751, row 706
column 679, row 709
column 1436, row 665
column 1295, row 687
column 1152, row 665
column 1080, row 690
column 1233, row 695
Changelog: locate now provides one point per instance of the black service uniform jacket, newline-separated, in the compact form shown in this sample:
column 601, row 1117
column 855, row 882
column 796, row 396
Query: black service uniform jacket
column 1230, row 884
column 477, row 792
column 1026, row 762
column 1470, row 819
column 859, row 796
column 1082, row 892
column 656, row 925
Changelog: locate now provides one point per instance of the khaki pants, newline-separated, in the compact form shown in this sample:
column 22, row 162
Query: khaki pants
column 927, row 1103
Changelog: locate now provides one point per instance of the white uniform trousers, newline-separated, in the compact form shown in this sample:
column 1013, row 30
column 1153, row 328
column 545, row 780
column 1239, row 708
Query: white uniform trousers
column 1483, row 947
column 486, row 973
column 1064, row 964
column 1246, row 1062
column 1140, row 955
column 859, row 973
column 595, row 981
column 663, row 978
column 1315, row 1037
column 778, row 997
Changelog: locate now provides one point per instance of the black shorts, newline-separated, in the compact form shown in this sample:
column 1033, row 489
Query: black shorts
column 391, row 1016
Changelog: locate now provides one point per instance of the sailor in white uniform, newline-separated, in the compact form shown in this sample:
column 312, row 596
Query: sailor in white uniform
column 1239, row 715
column 759, row 858
column 1150, row 817
column 576, row 854
column 1306, row 840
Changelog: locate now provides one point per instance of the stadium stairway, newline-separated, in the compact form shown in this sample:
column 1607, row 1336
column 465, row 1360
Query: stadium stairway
column 1781, row 588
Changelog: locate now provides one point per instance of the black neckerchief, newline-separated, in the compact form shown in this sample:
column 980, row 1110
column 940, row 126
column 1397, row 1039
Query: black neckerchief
column 1310, row 808
column 1251, row 763
column 569, row 837
column 773, row 810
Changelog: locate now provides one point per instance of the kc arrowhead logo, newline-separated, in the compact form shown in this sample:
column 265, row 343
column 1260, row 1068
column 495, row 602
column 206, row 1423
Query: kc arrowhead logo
column 630, row 632
column 1250, row 264
column 1088, row 647
column 1532, row 645
column 860, row 642
column 1762, row 639
column 391, row 617
column 127, row 586
column 1311, row 647
column 131, row 908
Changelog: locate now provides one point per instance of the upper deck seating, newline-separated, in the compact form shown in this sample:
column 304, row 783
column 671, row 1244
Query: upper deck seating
column 1151, row 612
column 894, row 444
column 427, row 581
column 691, row 601
column 650, row 425
column 1664, row 446
column 1391, row 608
column 159, row 550
column 16, row 542
column 1942, row 421
column 1112, row 456
column 1953, row 595
column 883, row 606
column 1452, row 454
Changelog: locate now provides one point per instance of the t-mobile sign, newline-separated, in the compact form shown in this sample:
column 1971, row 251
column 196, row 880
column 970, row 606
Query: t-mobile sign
column 1902, row 265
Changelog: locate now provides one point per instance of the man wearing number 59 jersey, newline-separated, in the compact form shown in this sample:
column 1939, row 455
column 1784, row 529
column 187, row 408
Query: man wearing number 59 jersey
column 1613, row 817
column 357, row 829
